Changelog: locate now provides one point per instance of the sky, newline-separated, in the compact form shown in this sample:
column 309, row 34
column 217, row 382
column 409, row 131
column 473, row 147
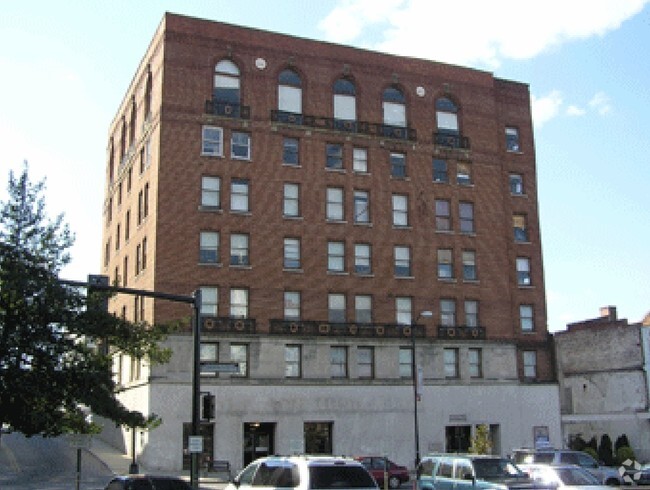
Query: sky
column 65, row 67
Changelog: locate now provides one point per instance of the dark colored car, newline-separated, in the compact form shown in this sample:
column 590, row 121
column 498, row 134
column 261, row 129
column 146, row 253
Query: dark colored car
column 377, row 466
column 147, row 482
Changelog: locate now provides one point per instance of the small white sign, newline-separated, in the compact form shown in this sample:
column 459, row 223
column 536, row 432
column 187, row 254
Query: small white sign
column 195, row 444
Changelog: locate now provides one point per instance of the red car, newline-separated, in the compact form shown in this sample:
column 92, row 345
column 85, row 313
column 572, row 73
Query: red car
column 378, row 466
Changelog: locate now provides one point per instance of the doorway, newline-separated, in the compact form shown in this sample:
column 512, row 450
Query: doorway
column 259, row 440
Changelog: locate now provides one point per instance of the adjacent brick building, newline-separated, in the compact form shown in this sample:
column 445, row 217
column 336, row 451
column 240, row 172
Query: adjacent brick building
column 336, row 207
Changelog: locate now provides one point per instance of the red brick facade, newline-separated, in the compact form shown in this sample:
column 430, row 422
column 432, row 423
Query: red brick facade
column 159, row 153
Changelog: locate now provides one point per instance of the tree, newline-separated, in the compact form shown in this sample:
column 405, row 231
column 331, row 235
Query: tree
column 51, row 369
column 605, row 451
column 481, row 442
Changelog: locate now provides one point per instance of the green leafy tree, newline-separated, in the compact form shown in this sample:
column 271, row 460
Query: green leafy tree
column 481, row 442
column 51, row 368
column 605, row 450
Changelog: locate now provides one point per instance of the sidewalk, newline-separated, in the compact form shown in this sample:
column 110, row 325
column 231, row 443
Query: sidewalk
column 119, row 463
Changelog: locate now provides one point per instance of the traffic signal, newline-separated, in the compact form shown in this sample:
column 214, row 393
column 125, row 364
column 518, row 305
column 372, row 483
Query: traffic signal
column 208, row 406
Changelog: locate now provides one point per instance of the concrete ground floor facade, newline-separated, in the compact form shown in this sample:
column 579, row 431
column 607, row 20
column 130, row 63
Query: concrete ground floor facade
column 273, row 418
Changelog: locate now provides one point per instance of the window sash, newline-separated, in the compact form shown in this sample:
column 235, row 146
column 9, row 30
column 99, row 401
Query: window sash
column 291, row 203
column 209, row 247
column 336, row 308
column 345, row 107
column 360, row 160
column 451, row 363
column 365, row 362
column 239, row 196
column 402, row 257
column 210, row 192
column 398, row 165
column 440, row 172
column 334, row 156
column 526, row 318
column 363, row 309
column 212, row 141
column 448, row 312
column 239, row 303
column 290, row 148
column 447, row 121
column 239, row 250
column 290, row 99
column 292, row 305
column 335, row 204
column 475, row 363
column 400, row 210
column 403, row 310
column 209, row 301
column 336, row 256
column 361, row 208
column 338, row 362
column 394, row 114
column 466, row 215
column 240, row 146
column 471, row 313
column 362, row 261
column 239, row 355
column 405, row 362
column 291, row 253
column 293, row 361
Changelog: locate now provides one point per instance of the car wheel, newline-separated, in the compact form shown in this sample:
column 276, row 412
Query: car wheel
column 394, row 482
column 612, row 482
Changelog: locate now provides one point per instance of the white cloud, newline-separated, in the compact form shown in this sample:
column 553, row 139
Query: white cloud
column 600, row 103
column 546, row 108
column 473, row 32
column 575, row 111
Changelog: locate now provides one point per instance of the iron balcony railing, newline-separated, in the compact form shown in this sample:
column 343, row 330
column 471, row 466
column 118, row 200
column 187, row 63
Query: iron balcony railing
column 361, row 127
column 329, row 329
column 236, row 111
column 461, row 332
column 214, row 324
column 451, row 140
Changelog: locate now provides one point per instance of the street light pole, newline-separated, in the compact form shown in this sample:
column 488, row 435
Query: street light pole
column 414, row 373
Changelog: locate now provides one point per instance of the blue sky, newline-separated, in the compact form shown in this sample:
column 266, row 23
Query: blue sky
column 66, row 65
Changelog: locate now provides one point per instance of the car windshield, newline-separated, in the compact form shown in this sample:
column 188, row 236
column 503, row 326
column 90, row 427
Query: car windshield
column 496, row 468
column 576, row 476
column 339, row 476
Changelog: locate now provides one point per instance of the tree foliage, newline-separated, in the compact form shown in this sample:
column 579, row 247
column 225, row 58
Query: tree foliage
column 481, row 441
column 51, row 368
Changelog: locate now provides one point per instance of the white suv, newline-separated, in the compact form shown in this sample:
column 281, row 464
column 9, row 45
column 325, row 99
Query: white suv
column 304, row 473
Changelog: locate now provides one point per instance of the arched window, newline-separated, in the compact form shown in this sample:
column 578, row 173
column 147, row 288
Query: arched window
column 290, row 92
column 226, row 83
column 393, row 103
column 345, row 107
column 147, row 97
column 446, row 116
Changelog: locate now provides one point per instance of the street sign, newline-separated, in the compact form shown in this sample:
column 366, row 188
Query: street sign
column 224, row 367
column 195, row 444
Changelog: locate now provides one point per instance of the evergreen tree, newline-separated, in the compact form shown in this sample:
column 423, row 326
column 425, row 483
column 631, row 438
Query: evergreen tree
column 50, row 366
column 605, row 452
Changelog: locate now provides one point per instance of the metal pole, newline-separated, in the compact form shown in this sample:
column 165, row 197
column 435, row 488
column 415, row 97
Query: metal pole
column 196, row 388
column 78, row 468
column 416, row 429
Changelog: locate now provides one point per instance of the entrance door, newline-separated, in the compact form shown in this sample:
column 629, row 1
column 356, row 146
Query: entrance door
column 258, row 440
column 458, row 438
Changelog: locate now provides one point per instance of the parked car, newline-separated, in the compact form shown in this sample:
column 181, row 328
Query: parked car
column 565, row 477
column 304, row 473
column 605, row 474
column 147, row 482
column 379, row 466
column 465, row 472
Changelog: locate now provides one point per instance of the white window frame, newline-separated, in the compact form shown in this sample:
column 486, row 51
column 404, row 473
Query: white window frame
column 209, row 247
column 335, row 256
column 363, row 308
column 469, row 265
column 336, row 308
column 292, row 361
column 475, row 362
column 291, row 200
column 400, row 210
column 239, row 303
column 338, row 361
column 292, row 302
column 448, row 312
column 471, row 312
column 209, row 301
column 530, row 364
column 239, row 196
column 523, row 271
column 527, row 318
column 211, row 192
column 334, row 205
column 292, row 259
column 402, row 261
column 212, row 141
column 239, row 249
column 361, row 207
column 365, row 362
column 363, row 258
column 403, row 310
column 360, row 160
column 445, row 263
column 450, row 356
column 240, row 140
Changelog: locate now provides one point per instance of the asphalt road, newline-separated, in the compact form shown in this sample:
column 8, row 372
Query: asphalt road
column 47, row 464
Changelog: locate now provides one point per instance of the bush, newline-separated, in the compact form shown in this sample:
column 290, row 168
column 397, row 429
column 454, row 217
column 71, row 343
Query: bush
column 591, row 452
column 576, row 443
column 624, row 453
column 605, row 453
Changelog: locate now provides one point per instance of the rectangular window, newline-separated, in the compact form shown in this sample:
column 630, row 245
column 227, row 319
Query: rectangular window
column 363, row 308
column 292, row 305
column 365, row 362
column 239, row 191
column 448, row 312
column 402, row 257
column 526, row 319
column 338, row 362
column 451, row 363
column 530, row 364
column 292, row 361
column 443, row 215
column 406, row 362
column 398, row 165
column 512, row 139
column 400, row 210
column 334, row 204
column 466, row 215
column 290, row 153
column 209, row 352
column 209, row 252
column 440, row 173
column 239, row 249
column 291, row 200
column 212, row 141
column 334, row 156
column 209, row 301
column 361, row 207
column 469, row 265
column 516, row 184
column 127, row 226
column 463, row 174
column 360, row 160
column 336, row 256
column 210, row 192
column 239, row 355
column 519, row 228
column 362, row 259
column 523, row 271
column 240, row 148
column 292, row 253
column 475, row 358
column 403, row 310
column 239, row 303
column 471, row 313
column 336, row 308
column 445, row 263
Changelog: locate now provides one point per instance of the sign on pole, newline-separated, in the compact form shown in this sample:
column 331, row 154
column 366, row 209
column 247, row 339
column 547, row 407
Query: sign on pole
column 195, row 444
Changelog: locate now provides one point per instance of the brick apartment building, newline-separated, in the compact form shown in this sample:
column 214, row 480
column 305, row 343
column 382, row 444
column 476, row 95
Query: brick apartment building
column 347, row 215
